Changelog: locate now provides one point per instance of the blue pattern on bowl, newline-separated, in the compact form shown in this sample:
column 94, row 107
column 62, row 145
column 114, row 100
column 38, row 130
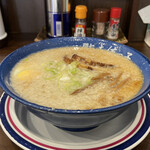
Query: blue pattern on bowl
column 75, row 120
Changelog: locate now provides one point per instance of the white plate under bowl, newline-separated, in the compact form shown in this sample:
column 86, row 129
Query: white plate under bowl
column 30, row 132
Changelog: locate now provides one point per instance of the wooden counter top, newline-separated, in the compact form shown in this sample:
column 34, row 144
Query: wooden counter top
column 15, row 42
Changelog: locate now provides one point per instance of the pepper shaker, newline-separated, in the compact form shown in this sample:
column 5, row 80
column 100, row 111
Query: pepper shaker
column 100, row 22
column 80, row 23
column 113, row 30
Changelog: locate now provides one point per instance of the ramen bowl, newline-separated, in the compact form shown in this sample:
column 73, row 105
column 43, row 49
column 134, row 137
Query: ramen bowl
column 75, row 120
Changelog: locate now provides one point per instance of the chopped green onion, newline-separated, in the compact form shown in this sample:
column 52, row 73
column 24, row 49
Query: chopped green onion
column 68, row 76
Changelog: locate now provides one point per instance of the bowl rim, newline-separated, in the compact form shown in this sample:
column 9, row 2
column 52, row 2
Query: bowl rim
column 70, row 111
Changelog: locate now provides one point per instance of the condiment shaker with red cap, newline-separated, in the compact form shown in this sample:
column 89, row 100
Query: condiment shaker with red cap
column 113, row 29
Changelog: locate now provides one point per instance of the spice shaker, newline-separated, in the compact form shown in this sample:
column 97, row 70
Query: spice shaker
column 80, row 22
column 100, row 22
column 113, row 30
column 57, row 18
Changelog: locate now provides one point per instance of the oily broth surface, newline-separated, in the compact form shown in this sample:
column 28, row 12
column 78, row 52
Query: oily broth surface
column 45, row 92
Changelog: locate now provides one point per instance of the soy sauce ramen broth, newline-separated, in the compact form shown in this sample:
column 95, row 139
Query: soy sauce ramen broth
column 44, row 78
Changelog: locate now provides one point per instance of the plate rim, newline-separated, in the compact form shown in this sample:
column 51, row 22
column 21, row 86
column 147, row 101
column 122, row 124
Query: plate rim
column 142, row 137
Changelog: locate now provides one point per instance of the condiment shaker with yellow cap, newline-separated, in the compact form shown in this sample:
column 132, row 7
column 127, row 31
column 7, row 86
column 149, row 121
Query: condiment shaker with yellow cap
column 80, row 24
